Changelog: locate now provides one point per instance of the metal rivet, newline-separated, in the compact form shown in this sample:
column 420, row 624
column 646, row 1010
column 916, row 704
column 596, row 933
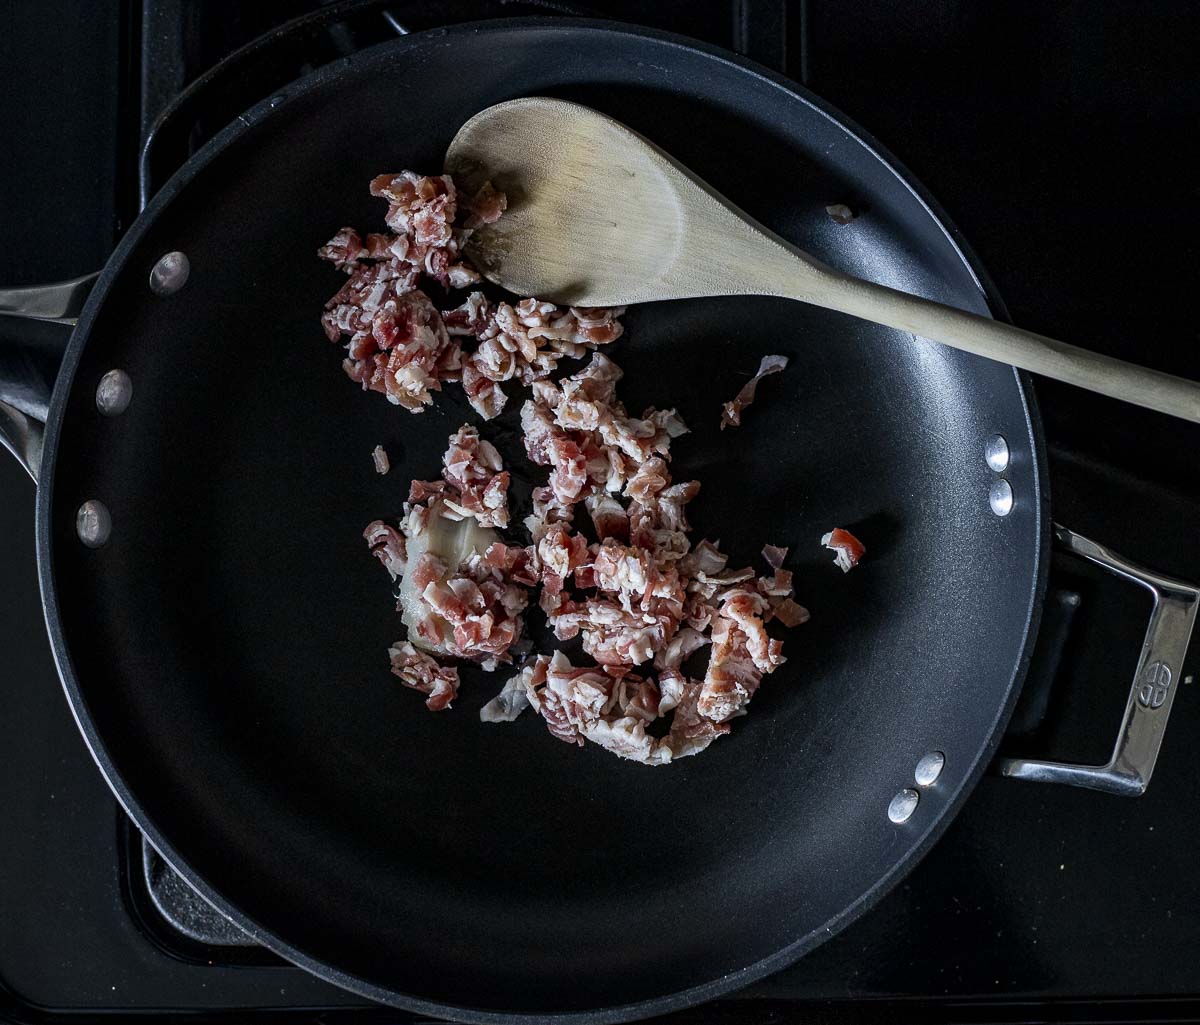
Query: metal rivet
column 903, row 805
column 1000, row 498
column 929, row 768
column 995, row 451
column 93, row 523
column 114, row 393
column 170, row 274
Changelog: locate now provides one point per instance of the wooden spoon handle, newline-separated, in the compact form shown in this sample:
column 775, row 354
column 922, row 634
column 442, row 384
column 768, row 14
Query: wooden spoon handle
column 1003, row 342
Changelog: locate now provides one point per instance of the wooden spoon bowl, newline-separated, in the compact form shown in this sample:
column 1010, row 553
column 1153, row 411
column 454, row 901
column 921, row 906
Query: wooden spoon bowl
column 599, row 216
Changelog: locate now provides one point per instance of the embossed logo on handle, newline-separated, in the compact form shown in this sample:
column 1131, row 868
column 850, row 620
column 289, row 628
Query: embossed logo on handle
column 1156, row 682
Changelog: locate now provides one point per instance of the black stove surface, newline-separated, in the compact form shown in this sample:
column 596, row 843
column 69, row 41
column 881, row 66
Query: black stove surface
column 1053, row 135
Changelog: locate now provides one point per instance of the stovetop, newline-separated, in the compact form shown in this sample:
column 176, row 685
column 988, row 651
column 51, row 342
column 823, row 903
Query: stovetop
column 1052, row 135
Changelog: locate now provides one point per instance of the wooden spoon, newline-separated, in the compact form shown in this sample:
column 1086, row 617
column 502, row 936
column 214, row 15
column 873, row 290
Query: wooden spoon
column 598, row 216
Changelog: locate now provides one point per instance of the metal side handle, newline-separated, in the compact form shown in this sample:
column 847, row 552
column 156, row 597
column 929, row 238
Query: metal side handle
column 1131, row 765
column 61, row 301
column 27, row 370
column 21, row 434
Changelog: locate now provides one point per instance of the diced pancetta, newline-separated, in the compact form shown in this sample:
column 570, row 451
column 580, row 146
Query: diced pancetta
column 846, row 548
column 731, row 413
column 637, row 592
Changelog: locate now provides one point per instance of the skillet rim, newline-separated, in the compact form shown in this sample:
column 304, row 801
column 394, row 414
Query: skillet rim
column 125, row 794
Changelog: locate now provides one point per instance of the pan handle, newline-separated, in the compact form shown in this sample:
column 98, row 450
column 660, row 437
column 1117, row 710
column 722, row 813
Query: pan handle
column 61, row 302
column 1128, row 770
column 35, row 325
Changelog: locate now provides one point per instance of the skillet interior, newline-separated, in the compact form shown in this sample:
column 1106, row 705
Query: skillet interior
column 225, row 652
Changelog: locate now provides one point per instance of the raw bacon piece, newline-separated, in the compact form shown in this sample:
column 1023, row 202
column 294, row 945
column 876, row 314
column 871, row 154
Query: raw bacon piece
column 422, row 208
column 732, row 677
column 380, row 458
column 387, row 545
column 344, row 250
column 432, row 221
column 580, row 429
column 473, row 467
column 706, row 558
column 778, row 585
column 790, row 614
column 846, row 547
column 397, row 339
column 560, row 552
column 612, row 635
column 576, row 704
column 526, row 341
column 742, row 654
column 650, row 479
column 352, row 309
column 731, row 413
column 547, row 511
column 774, row 556
column 608, row 516
column 685, row 641
column 427, row 570
column 640, row 594
column 691, row 730
column 462, row 593
column 422, row 490
column 581, row 704
column 746, row 608
column 485, row 397
column 423, row 672
column 626, row 737
column 470, row 318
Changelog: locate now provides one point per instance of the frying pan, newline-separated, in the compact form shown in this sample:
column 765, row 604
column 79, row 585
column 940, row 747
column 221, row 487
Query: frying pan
column 223, row 644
